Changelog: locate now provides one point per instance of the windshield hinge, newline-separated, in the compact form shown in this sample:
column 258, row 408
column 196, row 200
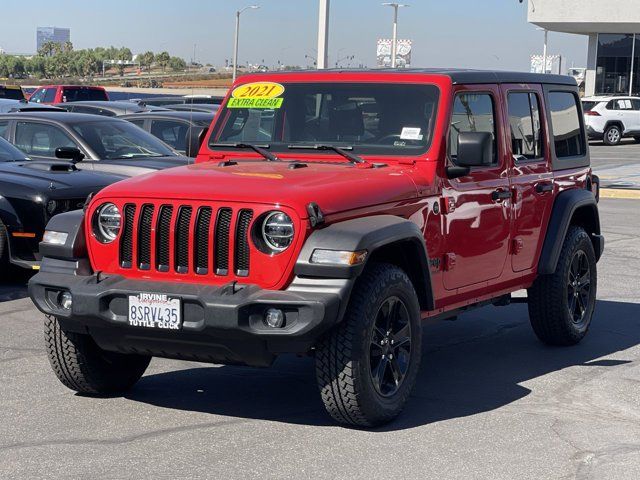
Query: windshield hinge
column 407, row 161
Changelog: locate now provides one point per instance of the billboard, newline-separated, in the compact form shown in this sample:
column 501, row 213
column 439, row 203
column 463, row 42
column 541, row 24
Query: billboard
column 553, row 64
column 403, row 53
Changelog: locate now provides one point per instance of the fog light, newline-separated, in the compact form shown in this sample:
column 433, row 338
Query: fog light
column 274, row 318
column 65, row 300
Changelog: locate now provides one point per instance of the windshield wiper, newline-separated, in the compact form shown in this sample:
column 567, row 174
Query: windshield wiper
column 353, row 158
column 256, row 148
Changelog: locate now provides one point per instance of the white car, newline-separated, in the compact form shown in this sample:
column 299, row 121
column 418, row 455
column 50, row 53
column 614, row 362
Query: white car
column 611, row 118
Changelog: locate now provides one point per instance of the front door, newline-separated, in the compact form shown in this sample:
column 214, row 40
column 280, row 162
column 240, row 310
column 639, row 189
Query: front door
column 477, row 207
column 531, row 173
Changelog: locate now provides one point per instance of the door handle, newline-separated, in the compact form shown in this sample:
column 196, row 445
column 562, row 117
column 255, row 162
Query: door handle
column 500, row 194
column 543, row 187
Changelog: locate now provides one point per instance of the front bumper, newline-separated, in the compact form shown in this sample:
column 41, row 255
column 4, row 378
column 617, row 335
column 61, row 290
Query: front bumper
column 221, row 324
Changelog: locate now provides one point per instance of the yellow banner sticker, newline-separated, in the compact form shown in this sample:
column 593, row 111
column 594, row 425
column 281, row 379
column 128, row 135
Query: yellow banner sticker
column 257, row 95
column 267, row 103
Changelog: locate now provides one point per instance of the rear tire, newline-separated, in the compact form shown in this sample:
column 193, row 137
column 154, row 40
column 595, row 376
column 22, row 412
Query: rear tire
column 637, row 139
column 367, row 366
column 561, row 304
column 81, row 365
column 612, row 135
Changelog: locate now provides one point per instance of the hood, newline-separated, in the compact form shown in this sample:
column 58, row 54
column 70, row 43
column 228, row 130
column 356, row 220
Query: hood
column 54, row 176
column 154, row 163
column 334, row 187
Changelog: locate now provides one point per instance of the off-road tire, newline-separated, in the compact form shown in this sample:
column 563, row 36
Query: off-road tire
column 343, row 369
column 548, row 298
column 81, row 365
column 612, row 135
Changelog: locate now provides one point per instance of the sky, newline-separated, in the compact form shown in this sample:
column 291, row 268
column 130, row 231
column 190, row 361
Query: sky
column 489, row 34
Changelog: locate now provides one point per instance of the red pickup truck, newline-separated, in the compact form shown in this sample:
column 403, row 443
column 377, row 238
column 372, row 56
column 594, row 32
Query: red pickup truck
column 51, row 94
column 327, row 214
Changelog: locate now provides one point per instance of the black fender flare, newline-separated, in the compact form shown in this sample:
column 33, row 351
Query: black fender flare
column 565, row 207
column 8, row 214
column 372, row 234
column 75, row 246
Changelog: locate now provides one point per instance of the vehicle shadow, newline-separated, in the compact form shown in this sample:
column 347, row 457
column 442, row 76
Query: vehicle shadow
column 13, row 284
column 472, row 365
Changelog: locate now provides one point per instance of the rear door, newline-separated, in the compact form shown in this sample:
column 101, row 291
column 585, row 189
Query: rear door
column 478, row 206
column 530, row 171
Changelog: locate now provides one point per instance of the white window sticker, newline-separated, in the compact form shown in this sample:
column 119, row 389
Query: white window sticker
column 411, row 133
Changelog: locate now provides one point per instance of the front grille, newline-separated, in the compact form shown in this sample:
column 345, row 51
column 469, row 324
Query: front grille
column 186, row 239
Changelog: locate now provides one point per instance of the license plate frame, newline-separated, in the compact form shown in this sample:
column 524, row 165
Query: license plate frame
column 154, row 311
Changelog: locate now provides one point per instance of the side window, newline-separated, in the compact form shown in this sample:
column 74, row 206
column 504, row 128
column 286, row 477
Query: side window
column 635, row 104
column 4, row 128
column 50, row 95
column 524, row 123
column 568, row 136
column 170, row 132
column 38, row 95
column 40, row 139
column 472, row 112
column 137, row 123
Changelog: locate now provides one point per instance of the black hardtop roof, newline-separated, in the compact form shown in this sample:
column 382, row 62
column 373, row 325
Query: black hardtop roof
column 458, row 76
column 59, row 116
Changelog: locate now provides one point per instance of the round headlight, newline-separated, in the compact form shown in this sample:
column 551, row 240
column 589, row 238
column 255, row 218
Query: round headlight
column 277, row 231
column 107, row 222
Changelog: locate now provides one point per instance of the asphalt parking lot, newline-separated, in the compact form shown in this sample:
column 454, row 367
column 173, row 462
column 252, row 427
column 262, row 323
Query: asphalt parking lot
column 491, row 402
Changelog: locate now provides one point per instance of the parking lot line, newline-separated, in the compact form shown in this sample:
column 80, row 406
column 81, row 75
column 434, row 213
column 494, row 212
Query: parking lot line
column 619, row 193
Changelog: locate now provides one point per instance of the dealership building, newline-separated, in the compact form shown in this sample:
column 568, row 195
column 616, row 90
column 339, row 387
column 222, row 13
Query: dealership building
column 613, row 28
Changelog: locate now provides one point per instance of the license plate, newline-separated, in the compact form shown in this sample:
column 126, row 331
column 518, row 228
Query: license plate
column 155, row 310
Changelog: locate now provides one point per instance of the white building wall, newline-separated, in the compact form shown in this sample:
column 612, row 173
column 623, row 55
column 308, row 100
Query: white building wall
column 586, row 16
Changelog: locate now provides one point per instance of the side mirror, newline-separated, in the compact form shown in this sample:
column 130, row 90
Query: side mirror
column 475, row 149
column 70, row 153
column 195, row 137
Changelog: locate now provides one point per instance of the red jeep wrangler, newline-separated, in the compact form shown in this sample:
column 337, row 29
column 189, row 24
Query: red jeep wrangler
column 328, row 213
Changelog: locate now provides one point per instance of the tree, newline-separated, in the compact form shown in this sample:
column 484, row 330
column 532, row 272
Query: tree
column 123, row 55
column 67, row 47
column 163, row 59
column 47, row 49
column 177, row 64
column 146, row 60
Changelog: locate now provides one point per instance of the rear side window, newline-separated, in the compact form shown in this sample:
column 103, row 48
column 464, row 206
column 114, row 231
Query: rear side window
column 620, row 104
column 84, row 94
column 4, row 128
column 472, row 112
column 568, row 136
column 524, row 123
column 588, row 105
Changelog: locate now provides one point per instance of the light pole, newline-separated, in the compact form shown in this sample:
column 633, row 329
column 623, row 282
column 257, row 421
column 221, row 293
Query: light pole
column 323, row 34
column 235, row 43
column 394, row 44
column 544, row 49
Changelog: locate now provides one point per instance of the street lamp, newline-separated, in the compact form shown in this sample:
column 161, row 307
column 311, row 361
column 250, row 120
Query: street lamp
column 394, row 45
column 235, row 43
column 544, row 50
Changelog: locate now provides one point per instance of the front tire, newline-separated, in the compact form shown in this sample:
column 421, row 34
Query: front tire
column 367, row 366
column 561, row 304
column 612, row 135
column 81, row 365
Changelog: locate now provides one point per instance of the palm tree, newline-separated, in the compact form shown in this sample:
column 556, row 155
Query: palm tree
column 163, row 59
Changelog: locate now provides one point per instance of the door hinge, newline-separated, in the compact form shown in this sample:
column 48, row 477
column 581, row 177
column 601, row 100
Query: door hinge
column 517, row 245
column 448, row 204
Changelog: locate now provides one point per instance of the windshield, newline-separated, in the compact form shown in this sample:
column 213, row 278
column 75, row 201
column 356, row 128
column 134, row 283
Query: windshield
column 12, row 93
column 84, row 94
column 119, row 139
column 9, row 153
column 387, row 119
